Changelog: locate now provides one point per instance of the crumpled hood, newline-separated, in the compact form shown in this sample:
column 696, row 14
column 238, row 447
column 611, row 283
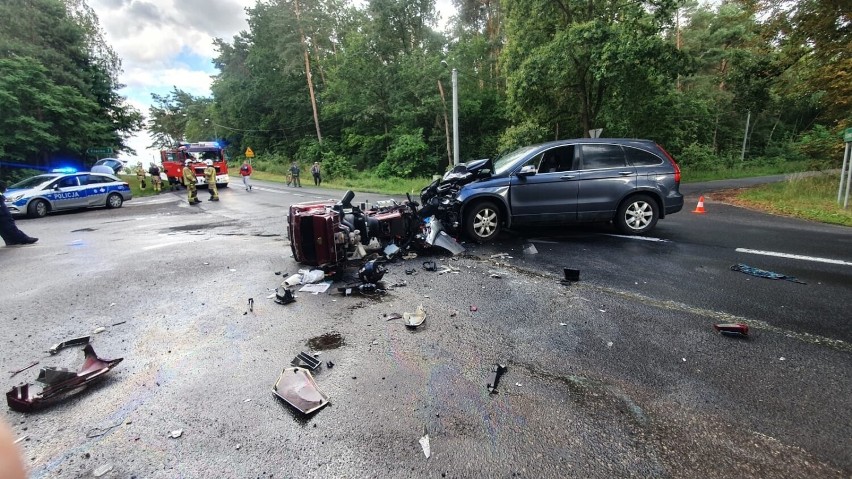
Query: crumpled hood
column 468, row 172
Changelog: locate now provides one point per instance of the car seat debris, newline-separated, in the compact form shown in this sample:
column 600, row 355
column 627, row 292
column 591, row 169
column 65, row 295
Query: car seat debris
column 306, row 360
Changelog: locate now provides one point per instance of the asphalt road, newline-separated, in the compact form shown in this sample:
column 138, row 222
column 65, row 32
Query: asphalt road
column 620, row 374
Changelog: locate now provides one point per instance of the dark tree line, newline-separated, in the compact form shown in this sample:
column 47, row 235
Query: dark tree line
column 58, row 85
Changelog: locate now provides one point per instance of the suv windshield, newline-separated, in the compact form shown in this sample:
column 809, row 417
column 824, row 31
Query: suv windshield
column 32, row 182
column 505, row 162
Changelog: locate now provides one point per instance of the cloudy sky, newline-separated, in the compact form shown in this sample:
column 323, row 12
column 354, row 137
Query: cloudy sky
column 166, row 43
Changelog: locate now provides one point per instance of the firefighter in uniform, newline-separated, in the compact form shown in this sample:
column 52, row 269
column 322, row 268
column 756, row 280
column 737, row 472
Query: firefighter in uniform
column 140, row 175
column 189, row 181
column 210, row 175
column 156, row 181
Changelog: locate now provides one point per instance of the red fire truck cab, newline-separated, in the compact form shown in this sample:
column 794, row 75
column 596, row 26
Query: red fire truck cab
column 197, row 153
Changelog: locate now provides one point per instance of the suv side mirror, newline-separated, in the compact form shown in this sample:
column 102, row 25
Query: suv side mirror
column 527, row 170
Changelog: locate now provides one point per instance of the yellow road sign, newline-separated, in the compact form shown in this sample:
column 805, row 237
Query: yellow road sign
column 249, row 153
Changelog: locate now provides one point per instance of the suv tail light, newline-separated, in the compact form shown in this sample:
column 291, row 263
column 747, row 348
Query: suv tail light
column 673, row 162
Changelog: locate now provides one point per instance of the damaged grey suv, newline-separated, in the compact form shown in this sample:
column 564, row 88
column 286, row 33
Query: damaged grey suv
column 632, row 183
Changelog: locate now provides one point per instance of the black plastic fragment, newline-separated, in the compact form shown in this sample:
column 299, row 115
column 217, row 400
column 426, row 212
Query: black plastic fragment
column 306, row 360
column 496, row 371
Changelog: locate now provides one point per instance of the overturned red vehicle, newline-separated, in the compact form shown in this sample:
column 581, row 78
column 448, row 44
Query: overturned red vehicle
column 328, row 234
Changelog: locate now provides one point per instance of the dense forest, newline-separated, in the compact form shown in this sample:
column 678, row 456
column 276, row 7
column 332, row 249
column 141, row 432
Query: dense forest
column 737, row 82
column 368, row 87
column 58, row 86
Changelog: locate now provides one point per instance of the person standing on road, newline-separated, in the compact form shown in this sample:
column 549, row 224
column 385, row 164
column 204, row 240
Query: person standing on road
column 210, row 176
column 294, row 172
column 140, row 175
column 245, row 171
column 156, row 181
column 189, row 180
column 315, row 171
column 8, row 229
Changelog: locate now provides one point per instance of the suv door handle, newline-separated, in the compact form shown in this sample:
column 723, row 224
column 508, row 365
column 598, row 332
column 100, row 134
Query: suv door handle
column 625, row 173
column 567, row 177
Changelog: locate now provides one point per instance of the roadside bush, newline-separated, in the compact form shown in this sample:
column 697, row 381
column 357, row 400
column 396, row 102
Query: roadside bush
column 14, row 175
column 821, row 147
column 272, row 163
column 699, row 157
column 407, row 157
column 336, row 166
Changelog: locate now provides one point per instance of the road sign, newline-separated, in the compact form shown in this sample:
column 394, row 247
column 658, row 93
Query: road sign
column 249, row 153
column 847, row 135
column 596, row 133
column 100, row 151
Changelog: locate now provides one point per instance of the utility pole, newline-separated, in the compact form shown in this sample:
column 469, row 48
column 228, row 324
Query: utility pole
column 455, row 117
column 308, row 71
column 745, row 137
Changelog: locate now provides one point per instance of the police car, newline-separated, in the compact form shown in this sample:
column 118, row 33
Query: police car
column 39, row 195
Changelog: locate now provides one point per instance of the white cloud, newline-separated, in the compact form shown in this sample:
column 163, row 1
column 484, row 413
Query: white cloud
column 166, row 43
column 155, row 38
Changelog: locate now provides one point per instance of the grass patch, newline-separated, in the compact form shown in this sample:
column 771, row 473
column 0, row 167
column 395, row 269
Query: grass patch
column 746, row 171
column 811, row 198
column 135, row 188
column 363, row 182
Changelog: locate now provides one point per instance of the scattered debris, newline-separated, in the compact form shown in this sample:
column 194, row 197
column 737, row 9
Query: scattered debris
column 102, row 470
column 306, row 360
column 68, row 343
column 571, row 275
column 415, row 319
column 247, row 400
column 530, row 248
column 563, row 324
column 519, row 385
column 286, row 298
column 473, row 308
column 454, row 313
column 278, row 273
column 99, row 330
column 500, row 255
column 118, row 323
column 399, row 284
column 495, row 274
column 424, row 443
column 251, row 305
column 393, row 316
column 449, row 269
column 297, row 388
column 329, row 364
column 53, row 382
column 430, row 266
column 312, row 276
column 14, row 373
column 315, row 288
column 761, row 273
column 496, row 371
column 232, row 270
column 409, row 256
column 176, row 433
column 739, row 330
column 238, row 447
column 390, row 250
column 22, row 438
column 293, row 280
column 411, row 271
column 609, row 344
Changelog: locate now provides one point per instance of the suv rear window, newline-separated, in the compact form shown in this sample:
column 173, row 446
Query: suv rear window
column 602, row 156
column 638, row 157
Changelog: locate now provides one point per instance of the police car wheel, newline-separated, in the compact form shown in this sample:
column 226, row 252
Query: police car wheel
column 37, row 209
column 114, row 201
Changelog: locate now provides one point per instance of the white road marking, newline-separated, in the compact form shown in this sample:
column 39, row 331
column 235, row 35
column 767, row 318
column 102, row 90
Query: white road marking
column 539, row 240
column 643, row 238
column 794, row 256
column 170, row 243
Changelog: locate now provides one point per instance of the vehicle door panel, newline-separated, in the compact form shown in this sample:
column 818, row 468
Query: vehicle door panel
column 550, row 195
column 67, row 194
column 96, row 190
column 604, row 180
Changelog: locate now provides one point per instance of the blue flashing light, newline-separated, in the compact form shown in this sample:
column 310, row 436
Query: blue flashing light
column 64, row 169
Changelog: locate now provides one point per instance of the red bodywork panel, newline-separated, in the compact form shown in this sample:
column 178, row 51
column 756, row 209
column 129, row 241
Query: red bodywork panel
column 312, row 228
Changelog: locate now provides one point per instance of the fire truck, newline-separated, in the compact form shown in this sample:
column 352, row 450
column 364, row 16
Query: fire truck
column 197, row 153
